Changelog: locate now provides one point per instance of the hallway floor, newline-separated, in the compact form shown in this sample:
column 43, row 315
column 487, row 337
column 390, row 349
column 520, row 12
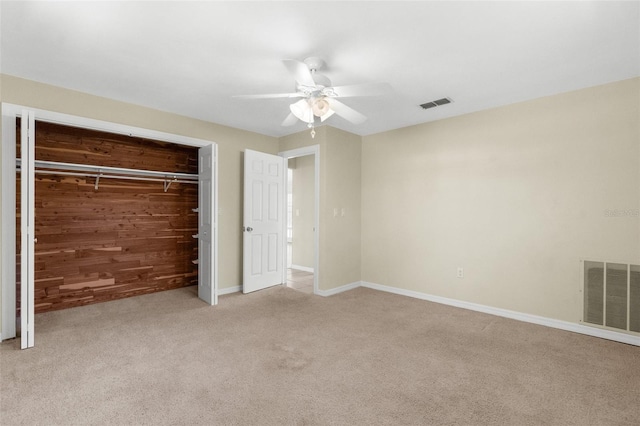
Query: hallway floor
column 300, row 280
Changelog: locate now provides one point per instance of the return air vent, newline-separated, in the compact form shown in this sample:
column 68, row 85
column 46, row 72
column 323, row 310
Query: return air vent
column 612, row 295
column 433, row 104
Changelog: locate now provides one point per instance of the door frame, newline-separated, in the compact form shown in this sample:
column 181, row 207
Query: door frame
column 10, row 112
column 303, row 152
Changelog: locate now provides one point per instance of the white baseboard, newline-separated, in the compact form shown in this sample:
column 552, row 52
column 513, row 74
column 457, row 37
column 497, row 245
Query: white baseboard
column 229, row 290
column 340, row 289
column 534, row 319
column 519, row 316
column 302, row 268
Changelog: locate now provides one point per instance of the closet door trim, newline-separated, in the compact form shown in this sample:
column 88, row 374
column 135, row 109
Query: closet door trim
column 10, row 112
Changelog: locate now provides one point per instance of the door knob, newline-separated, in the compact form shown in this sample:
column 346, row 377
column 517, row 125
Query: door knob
column 249, row 229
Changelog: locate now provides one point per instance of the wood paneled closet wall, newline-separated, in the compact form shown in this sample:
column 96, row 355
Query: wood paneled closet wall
column 126, row 238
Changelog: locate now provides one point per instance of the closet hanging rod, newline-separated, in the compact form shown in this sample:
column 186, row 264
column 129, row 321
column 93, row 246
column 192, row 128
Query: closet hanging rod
column 108, row 176
column 41, row 164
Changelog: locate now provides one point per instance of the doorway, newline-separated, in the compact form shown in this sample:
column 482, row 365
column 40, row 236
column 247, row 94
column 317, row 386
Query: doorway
column 302, row 219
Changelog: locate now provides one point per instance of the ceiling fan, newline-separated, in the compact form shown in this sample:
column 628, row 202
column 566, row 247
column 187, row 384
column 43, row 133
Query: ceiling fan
column 318, row 96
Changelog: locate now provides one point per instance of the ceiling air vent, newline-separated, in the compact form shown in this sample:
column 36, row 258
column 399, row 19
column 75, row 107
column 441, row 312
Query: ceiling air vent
column 439, row 102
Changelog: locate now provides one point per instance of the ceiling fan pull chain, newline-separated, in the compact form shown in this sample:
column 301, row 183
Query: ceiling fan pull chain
column 313, row 130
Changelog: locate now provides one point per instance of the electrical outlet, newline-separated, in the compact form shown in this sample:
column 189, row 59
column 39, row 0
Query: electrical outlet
column 460, row 272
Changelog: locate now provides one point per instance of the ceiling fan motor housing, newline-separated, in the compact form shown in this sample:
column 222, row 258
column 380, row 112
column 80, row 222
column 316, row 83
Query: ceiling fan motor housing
column 314, row 63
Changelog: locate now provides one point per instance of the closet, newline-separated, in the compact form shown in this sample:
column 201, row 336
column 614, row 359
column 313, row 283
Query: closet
column 115, row 216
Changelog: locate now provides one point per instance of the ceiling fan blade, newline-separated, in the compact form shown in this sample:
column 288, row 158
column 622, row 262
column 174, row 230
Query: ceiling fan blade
column 290, row 120
column 300, row 72
column 270, row 96
column 346, row 112
column 366, row 89
column 327, row 115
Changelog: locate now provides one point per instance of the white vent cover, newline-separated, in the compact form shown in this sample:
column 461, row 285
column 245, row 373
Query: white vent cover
column 612, row 295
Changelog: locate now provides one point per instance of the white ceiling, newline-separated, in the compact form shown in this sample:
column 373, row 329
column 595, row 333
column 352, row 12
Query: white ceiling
column 192, row 57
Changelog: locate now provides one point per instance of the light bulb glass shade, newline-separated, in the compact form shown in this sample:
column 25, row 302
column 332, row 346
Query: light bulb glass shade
column 302, row 111
column 320, row 107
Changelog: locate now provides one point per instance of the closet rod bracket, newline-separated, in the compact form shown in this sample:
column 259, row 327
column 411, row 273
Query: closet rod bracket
column 167, row 183
column 97, row 184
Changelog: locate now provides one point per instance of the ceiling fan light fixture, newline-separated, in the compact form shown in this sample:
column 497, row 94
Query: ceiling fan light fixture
column 320, row 107
column 302, row 110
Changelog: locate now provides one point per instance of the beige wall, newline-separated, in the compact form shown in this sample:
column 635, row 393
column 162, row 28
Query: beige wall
column 515, row 195
column 340, row 160
column 343, row 191
column 303, row 192
column 231, row 144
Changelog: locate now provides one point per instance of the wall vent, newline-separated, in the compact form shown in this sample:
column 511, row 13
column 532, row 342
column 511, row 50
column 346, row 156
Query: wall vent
column 612, row 295
column 436, row 103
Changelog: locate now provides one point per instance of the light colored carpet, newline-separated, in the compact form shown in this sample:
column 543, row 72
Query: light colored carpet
column 281, row 357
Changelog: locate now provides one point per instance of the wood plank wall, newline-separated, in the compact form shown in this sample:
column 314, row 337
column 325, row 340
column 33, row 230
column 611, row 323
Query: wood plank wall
column 126, row 238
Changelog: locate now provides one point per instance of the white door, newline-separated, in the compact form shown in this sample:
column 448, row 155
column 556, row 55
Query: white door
column 264, row 221
column 27, row 226
column 207, row 228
